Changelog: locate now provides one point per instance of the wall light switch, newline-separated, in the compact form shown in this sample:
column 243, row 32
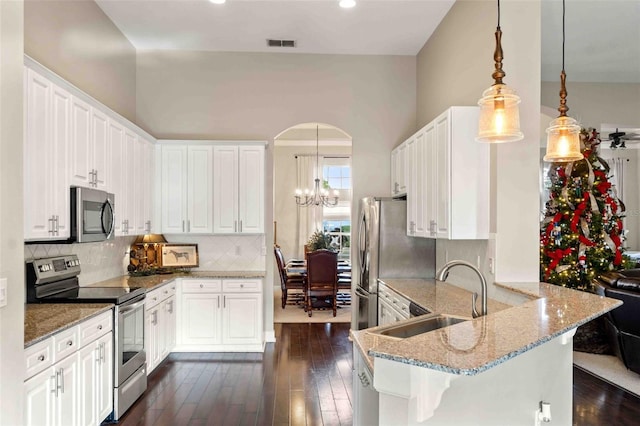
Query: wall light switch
column 3, row 292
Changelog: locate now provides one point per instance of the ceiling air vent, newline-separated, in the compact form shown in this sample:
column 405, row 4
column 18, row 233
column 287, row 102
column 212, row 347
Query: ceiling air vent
column 280, row 43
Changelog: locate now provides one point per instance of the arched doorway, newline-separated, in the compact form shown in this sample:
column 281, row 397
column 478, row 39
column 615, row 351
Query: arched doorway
column 300, row 152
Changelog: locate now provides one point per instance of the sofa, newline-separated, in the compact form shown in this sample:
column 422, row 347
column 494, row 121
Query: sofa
column 623, row 323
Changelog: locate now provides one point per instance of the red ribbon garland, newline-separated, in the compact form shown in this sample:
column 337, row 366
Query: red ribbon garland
column 556, row 256
column 578, row 212
column 584, row 240
column 603, row 187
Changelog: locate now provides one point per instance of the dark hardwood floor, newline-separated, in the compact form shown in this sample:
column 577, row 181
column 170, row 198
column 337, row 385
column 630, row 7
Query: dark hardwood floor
column 305, row 379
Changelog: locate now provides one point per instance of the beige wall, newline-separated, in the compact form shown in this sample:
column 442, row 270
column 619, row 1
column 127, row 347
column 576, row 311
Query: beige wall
column 454, row 68
column 76, row 40
column 11, row 236
column 205, row 95
column 593, row 104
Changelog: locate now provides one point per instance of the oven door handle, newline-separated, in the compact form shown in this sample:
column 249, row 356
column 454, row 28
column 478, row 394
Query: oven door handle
column 130, row 308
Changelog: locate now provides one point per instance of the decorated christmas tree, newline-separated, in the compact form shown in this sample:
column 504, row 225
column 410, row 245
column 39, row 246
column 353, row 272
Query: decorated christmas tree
column 581, row 234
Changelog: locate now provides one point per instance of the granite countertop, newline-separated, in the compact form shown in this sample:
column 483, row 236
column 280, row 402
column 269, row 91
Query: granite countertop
column 152, row 281
column 42, row 320
column 474, row 346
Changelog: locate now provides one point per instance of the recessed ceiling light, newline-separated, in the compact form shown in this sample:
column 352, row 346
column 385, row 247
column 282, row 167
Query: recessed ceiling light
column 217, row 1
column 346, row 4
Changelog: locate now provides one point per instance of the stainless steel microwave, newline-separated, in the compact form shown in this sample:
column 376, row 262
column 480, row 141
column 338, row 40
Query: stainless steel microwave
column 92, row 215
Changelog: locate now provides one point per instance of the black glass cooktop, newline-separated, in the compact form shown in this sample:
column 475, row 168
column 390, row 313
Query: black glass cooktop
column 115, row 295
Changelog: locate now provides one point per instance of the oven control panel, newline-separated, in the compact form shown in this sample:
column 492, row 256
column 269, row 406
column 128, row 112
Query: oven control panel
column 55, row 268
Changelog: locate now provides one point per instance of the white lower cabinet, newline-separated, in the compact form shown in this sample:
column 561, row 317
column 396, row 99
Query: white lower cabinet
column 69, row 382
column 391, row 306
column 365, row 397
column 220, row 315
column 160, row 324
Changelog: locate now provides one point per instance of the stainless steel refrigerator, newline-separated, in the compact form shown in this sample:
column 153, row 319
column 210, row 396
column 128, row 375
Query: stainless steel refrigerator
column 385, row 251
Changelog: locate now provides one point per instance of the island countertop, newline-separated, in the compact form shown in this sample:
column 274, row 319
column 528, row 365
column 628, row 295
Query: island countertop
column 152, row 281
column 473, row 346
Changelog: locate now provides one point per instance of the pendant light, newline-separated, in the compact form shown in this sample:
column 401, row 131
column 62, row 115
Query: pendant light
column 319, row 197
column 563, row 133
column 499, row 111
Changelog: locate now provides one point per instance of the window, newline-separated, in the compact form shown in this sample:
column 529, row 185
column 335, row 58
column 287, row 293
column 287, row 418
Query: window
column 336, row 221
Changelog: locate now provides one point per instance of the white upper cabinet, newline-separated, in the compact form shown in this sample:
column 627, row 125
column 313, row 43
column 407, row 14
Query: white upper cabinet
column 453, row 168
column 186, row 188
column 89, row 149
column 238, row 189
column 398, row 170
column 73, row 140
column 46, row 188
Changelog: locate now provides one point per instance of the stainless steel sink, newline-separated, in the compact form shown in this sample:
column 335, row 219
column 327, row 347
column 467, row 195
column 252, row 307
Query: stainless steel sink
column 418, row 325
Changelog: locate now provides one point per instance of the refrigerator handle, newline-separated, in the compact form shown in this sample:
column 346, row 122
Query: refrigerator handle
column 363, row 241
column 361, row 293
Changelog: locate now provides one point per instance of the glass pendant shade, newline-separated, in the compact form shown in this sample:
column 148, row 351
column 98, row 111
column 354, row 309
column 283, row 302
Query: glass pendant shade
column 563, row 140
column 499, row 115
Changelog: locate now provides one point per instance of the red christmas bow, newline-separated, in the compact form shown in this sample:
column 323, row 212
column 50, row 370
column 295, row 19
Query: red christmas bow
column 556, row 256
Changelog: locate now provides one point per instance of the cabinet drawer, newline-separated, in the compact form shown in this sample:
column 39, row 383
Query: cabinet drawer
column 239, row 286
column 66, row 343
column 153, row 298
column 201, row 286
column 91, row 329
column 38, row 357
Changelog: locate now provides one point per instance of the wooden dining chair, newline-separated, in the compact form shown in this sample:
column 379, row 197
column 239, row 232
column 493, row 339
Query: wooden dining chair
column 322, row 278
column 288, row 281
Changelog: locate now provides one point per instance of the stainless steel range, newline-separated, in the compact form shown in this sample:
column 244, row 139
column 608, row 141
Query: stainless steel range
column 55, row 280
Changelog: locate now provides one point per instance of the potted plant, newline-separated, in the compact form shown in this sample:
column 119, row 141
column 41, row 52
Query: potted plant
column 319, row 240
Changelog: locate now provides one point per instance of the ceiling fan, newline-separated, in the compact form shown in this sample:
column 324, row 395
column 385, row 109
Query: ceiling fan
column 619, row 137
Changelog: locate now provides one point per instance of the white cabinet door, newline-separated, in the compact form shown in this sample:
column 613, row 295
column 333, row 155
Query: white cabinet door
column 46, row 188
column 130, row 184
column 200, row 319
column 139, row 171
column 174, row 189
column 431, row 179
column 153, row 335
column 200, row 188
column 412, row 195
column 242, row 318
column 225, row 189
column 443, row 189
column 169, row 325
column 399, row 176
column 251, row 189
column 99, row 148
column 419, row 180
column 80, row 151
column 118, row 175
column 39, row 399
column 89, row 357
column 66, row 408
column 104, row 377
column 147, row 190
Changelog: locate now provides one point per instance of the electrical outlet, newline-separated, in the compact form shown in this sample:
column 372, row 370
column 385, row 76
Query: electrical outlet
column 3, row 292
column 478, row 262
column 491, row 266
column 446, row 256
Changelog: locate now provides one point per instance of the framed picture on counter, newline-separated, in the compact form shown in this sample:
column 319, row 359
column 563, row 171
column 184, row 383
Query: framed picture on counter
column 180, row 255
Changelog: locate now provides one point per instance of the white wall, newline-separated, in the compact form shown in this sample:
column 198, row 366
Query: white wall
column 11, row 226
column 454, row 68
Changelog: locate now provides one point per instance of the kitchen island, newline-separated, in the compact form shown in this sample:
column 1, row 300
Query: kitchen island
column 493, row 370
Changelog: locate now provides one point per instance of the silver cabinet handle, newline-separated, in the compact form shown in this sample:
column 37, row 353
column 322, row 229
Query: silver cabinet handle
column 183, row 226
column 240, row 225
column 51, row 226
column 224, row 301
column 100, row 327
column 98, row 354
column 218, row 302
column 188, row 226
column 70, row 343
column 102, row 352
column 57, row 230
column 201, row 285
column 41, row 358
column 235, row 226
column 55, row 383
column 61, row 380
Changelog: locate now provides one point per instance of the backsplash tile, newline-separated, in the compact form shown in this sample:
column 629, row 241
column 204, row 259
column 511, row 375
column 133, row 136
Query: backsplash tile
column 104, row 260
column 226, row 252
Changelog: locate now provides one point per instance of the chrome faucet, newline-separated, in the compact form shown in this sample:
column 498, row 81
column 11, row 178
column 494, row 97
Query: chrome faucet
column 443, row 273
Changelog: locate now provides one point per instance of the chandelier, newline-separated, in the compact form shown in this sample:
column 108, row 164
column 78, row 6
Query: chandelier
column 319, row 196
